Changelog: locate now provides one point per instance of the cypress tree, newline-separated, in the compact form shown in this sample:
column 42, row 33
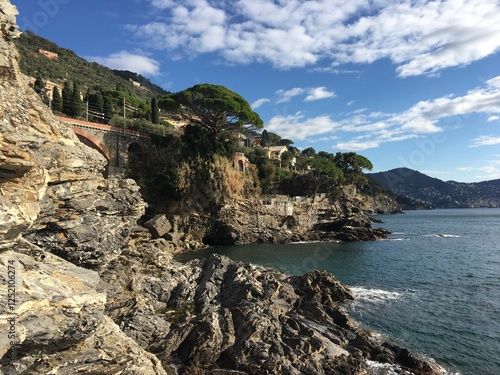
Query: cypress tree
column 57, row 104
column 99, row 102
column 67, row 94
column 77, row 104
column 155, row 117
column 107, row 107
column 39, row 86
column 264, row 138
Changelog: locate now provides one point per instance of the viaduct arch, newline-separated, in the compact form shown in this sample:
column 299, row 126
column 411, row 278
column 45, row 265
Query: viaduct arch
column 117, row 145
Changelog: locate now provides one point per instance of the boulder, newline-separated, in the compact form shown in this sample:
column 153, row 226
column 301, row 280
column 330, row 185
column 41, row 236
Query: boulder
column 158, row 226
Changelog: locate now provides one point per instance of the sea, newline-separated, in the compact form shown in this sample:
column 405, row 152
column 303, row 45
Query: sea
column 433, row 286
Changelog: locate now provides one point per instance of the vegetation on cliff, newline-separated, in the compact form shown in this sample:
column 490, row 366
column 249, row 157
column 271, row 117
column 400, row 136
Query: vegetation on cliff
column 92, row 90
column 194, row 164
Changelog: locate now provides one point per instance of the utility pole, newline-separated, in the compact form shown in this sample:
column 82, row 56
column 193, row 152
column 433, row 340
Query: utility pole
column 124, row 115
column 87, row 117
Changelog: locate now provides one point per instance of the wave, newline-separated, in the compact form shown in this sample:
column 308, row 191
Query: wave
column 442, row 235
column 374, row 295
column 377, row 368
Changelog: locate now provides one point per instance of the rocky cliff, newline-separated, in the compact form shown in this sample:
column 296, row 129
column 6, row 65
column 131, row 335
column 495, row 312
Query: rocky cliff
column 85, row 290
column 282, row 219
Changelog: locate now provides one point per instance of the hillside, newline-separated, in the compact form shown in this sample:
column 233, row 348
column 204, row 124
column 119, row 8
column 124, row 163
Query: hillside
column 70, row 66
column 417, row 190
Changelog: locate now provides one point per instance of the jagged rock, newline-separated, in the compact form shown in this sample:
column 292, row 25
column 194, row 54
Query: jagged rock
column 159, row 225
column 8, row 25
column 220, row 315
column 241, row 222
column 88, row 222
column 214, row 316
column 106, row 351
column 54, row 304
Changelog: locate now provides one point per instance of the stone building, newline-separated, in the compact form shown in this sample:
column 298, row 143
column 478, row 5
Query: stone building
column 240, row 162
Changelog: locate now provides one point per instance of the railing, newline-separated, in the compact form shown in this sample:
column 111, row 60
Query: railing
column 107, row 128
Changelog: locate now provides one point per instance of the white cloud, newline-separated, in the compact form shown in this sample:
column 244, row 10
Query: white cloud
column 485, row 140
column 319, row 93
column 355, row 145
column 419, row 37
column 493, row 118
column 297, row 127
column 258, row 103
column 487, row 172
column 368, row 130
column 315, row 93
column 124, row 60
column 287, row 95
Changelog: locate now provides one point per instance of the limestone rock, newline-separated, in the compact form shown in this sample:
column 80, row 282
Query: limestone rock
column 55, row 304
column 106, row 351
column 159, row 226
column 241, row 222
column 22, row 184
column 218, row 315
column 88, row 222
column 8, row 25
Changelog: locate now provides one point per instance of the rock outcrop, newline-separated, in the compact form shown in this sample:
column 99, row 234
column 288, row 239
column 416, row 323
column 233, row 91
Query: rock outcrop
column 52, row 319
column 245, row 221
column 219, row 316
column 85, row 290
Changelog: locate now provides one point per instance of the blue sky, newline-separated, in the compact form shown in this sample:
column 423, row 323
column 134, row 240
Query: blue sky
column 406, row 83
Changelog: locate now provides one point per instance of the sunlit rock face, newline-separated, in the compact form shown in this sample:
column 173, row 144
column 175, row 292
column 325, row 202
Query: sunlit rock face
column 51, row 317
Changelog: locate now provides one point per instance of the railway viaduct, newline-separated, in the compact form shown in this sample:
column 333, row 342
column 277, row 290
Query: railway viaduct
column 117, row 145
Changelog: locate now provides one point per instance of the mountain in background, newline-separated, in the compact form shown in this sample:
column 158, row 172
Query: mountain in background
column 68, row 66
column 415, row 190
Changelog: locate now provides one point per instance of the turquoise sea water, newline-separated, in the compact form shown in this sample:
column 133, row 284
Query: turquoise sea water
column 434, row 285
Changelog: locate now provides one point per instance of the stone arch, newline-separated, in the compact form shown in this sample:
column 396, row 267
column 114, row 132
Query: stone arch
column 135, row 148
column 92, row 141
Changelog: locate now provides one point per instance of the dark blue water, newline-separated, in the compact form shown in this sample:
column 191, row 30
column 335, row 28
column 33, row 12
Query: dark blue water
column 434, row 285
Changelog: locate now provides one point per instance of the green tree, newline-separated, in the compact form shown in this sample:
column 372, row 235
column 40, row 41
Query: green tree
column 352, row 166
column 107, row 107
column 197, row 142
column 324, row 174
column 285, row 142
column 67, row 94
column 274, row 139
column 266, row 172
column 264, row 138
column 286, row 158
column 309, row 152
column 39, row 85
column 76, row 101
column 57, row 104
column 96, row 105
column 214, row 108
column 155, row 117
column 326, row 155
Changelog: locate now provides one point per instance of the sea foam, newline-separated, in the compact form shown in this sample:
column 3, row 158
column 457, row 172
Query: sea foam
column 374, row 295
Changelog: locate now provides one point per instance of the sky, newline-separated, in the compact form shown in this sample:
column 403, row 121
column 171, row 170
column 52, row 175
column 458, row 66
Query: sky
column 406, row 83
